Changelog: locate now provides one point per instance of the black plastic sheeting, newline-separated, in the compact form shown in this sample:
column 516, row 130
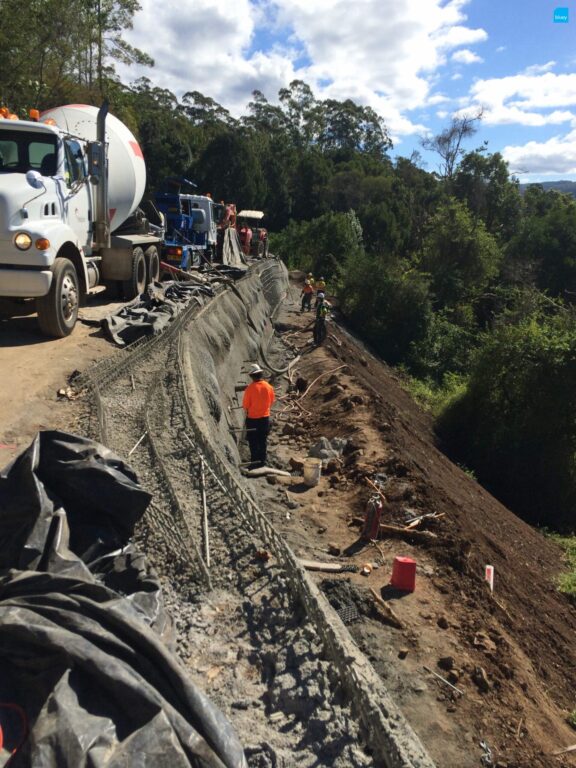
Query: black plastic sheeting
column 153, row 311
column 86, row 679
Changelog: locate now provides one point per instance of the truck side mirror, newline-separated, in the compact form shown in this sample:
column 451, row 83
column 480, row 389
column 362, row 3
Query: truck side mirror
column 96, row 161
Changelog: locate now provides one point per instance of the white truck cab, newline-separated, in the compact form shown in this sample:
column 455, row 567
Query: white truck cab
column 208, row 222
column 62, row 190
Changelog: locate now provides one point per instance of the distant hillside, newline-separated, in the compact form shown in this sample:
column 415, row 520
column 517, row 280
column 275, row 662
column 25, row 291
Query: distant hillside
column 562, row 186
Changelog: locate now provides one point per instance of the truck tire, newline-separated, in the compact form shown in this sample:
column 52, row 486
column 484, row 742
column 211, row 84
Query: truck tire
column 152, row 265
column 137, row 282
column 58, row 310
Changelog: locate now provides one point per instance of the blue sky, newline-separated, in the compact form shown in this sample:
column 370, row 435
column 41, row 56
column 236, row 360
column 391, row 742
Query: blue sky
column 416, row 62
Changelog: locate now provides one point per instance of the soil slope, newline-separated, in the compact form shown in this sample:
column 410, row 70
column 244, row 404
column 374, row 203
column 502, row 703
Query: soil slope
column 513, row 652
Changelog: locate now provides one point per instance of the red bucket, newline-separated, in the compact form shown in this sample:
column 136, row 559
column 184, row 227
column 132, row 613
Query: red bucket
column 404, row 574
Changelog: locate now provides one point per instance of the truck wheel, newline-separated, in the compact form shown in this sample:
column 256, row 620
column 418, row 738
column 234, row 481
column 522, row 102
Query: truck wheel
column 137, row 283
column 58, row 310
column 152, row 265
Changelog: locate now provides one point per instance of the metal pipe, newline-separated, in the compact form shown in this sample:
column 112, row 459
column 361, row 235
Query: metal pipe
column 204, row 514
column 102, row 220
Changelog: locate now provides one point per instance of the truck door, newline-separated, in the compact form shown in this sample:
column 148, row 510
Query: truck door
column 78, row 198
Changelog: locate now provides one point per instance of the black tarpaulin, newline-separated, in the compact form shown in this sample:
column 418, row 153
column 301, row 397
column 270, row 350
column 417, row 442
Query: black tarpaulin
column 153, row 310
column 81, row 624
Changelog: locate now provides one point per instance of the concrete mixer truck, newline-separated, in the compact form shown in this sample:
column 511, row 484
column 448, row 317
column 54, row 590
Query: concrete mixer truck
column 71, row 181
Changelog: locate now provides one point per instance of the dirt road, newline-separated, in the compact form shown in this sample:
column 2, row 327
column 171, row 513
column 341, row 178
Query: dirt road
column 34, row 368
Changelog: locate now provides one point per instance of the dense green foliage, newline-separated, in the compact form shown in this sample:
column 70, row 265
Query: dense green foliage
column 459, row 278
column 516, row 422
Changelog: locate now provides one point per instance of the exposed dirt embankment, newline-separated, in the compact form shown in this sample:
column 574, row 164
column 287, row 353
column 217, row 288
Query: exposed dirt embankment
column 512, row 653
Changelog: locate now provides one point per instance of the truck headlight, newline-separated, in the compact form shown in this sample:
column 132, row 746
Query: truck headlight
column 23, row 241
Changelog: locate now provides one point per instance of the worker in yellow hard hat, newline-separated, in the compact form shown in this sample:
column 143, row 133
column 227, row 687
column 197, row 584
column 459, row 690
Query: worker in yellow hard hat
column 307, row 292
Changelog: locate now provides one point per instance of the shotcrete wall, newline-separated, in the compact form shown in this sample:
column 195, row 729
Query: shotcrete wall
column 223, row 340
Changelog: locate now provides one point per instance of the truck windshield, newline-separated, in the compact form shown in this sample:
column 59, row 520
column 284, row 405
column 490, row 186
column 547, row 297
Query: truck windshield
column 21, row 152
column 219, row 211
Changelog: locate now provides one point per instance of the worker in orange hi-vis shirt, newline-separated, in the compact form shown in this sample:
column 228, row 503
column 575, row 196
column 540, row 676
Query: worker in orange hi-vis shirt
column 257, row 401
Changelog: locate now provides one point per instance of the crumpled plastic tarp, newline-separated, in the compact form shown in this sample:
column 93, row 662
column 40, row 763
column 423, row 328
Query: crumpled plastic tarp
column 232, row 254
column 86, row 680
column 152, row 312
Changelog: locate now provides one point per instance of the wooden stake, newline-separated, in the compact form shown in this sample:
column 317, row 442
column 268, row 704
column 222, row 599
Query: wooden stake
column 378, row 491
column 564, row 751
column 458, row 690
column 391, row 616
column 137, row 444
column 396, row 530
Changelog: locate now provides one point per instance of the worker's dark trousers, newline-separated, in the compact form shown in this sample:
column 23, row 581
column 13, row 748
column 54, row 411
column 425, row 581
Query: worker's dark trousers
column 306, row 301
column 257, row 439
column 319, row 330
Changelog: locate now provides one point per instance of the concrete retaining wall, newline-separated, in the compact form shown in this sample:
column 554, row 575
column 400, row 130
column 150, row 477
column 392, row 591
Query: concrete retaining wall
column 223, row 337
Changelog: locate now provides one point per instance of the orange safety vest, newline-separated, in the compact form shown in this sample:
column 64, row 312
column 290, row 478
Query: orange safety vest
column 258, row 397
column 307, row 289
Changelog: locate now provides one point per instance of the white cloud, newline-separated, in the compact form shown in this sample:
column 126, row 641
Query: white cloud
column 555, row 156
column 202, row 46
column 380, row 52
column 465, row 56
column 539, row 69
column 456, row 76
column 501, row 49
column 525, row 99
column 437, row 98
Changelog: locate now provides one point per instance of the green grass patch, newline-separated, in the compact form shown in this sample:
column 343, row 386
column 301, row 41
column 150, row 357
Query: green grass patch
column 434, row 397
column 572, row 719
column 567, row 580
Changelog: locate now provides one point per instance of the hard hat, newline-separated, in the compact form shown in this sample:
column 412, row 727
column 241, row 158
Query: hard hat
column 321, row 294
column 309, row 274
column 254, row 369
column 321, row 278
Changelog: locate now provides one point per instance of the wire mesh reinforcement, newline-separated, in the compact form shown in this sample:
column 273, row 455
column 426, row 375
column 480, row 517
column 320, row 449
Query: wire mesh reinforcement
column 387, row 729
column 388, row 733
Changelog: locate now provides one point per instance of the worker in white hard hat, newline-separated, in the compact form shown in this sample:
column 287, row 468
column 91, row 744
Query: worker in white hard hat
column 257, row 402
column 322, row 311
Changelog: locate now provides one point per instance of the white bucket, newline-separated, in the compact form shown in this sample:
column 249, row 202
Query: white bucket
column 312, row 471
